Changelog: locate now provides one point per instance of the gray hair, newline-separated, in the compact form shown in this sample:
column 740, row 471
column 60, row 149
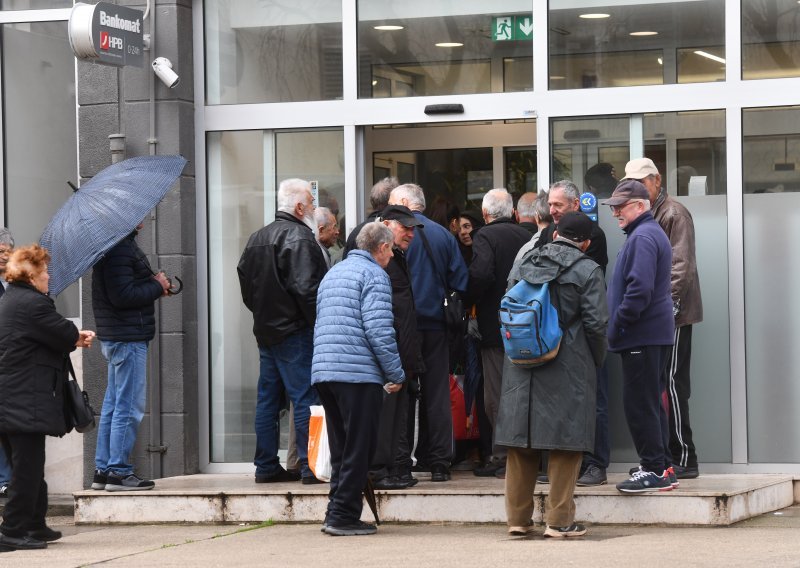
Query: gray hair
column 569, row 188
column 373, row 235
column 291, row 192
column 526, row 206
column 6, row 238
column 412, row 192
column 379, row 195
column 323, row 216
column 647, row 204
column 542, row 208
column 498, row 203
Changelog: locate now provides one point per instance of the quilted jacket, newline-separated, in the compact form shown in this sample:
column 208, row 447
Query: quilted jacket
column 354, row 338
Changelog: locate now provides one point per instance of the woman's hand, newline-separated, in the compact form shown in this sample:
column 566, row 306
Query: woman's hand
column 85, row 338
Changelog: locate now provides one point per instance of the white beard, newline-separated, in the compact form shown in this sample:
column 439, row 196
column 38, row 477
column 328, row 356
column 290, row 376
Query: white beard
column 309, row 221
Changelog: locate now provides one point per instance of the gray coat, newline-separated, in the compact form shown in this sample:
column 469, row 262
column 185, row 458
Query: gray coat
column 553, row 406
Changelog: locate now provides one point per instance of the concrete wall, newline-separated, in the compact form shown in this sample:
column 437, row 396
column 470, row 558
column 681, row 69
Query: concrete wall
column 113, row 101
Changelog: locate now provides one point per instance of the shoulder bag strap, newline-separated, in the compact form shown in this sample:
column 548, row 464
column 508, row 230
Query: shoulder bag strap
column 427, row 246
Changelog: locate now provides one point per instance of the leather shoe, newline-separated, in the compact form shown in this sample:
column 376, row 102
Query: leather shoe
column 46, row 534
column 279, row 477
column 311, row 480
column 20, row 543
column 439, row 472
column 388, row 483
column 688, row 472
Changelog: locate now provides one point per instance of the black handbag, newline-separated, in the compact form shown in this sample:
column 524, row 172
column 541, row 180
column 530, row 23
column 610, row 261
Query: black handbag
column 78, row 412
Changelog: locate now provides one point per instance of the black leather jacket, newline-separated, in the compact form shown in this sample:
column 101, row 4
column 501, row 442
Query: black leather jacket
column 279, row 273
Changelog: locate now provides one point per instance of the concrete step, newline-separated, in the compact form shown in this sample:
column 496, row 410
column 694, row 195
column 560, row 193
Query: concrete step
column 235, row 498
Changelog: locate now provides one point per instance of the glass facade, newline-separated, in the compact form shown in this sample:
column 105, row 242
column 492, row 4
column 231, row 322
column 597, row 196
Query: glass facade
column 34, row 4
column 38, row 88
column 411, row 48
column 622, row 44
column 771, row 150
column 265, row 52
column 244, row 170
column 770, row 39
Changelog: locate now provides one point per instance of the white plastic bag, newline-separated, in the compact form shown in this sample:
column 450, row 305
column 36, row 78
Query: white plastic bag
column 319, row 452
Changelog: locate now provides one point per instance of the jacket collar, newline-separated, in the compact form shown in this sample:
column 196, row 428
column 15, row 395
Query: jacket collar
column 363, row 254
column 289, row 217
column 638, row 221
column 662, row 197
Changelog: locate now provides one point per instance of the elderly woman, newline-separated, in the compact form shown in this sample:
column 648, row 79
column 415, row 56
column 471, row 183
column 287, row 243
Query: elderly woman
column 35, row 342
column 355, row 356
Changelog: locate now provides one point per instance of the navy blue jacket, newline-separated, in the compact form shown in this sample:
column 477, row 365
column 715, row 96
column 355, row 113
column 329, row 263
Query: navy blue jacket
column 427, row 275
column 639, row 296
column 124, row 293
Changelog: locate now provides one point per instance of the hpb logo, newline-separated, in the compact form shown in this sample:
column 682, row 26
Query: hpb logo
column 104, row 40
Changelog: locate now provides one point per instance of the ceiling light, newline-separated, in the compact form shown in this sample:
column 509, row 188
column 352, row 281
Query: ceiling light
column 449, row 44
column 660, row 61
column 374, row 82
column 710, row 56
column 594, row 16
column 642, row 34
column 388, row 28
column 557, row 77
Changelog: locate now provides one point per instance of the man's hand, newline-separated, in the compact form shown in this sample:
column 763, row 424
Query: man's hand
column 162, row 279
column 85, row 338
column 392, row 388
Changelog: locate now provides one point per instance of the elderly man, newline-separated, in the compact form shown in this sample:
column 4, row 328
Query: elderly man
column 543, row 219
column 432, row 275
column 391, row 465
column 279, row 273
column 563, row 197
column 378, row 200
column 328, row 231
column 6, row 248
column 640, row 329
column 355, row 360
column 677, row 223
column 493, row 250
column 552, row 406
column 525, row 212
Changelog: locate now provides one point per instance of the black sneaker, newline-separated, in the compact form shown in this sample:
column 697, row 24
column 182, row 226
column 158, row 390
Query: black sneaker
column 4, row 490
column 311, row 480
column 688, row 472
column 565, row 532
column 592, row 476
column 643, row 481
column 542, row 478
column 439, row 472
column 128, row 483
column 20, row 543
column 359, row 528
column 45, row 534
column 99, row 480
column 489, row 469
column 280, row 477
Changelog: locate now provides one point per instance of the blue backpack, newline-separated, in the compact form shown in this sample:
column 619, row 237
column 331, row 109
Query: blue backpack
column 529, row 325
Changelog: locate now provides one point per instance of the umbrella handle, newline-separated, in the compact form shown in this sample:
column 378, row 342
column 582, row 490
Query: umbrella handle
column 173, row 291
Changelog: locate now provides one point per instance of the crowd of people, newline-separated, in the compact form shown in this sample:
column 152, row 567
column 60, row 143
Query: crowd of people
column 335, row 331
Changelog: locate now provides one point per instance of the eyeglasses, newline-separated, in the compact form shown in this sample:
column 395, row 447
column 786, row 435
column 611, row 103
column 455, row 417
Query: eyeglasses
column 618, row 208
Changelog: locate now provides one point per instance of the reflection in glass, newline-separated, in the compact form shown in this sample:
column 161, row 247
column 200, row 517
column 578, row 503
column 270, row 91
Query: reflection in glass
column 689, row 151
column 770, row 39
column 443, row 47
column 259, row 52
column 34, row 4
column 41, row 155
column 520, row 171
column 241, row 199
column 646, row 43
column 771, row 156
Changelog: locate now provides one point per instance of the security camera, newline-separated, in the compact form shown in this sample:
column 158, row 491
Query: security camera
column 163, row 69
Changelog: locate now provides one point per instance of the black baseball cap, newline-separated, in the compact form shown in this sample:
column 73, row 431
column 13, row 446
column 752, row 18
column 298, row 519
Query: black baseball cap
column 575, row 226
column 401, row 214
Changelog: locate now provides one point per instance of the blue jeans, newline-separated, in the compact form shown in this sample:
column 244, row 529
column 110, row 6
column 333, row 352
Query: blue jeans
column 285, row 365
column 123, row 405
column 5, row 468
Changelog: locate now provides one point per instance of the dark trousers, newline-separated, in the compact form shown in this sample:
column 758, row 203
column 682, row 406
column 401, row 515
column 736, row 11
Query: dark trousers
column 352, row 411
column 435, row 444
column 679, row 389
column 26, row 507
column 643, row 382
column 393, row 453
column 601, row 456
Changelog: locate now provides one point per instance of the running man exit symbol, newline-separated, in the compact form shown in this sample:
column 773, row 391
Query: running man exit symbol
column 503, row 28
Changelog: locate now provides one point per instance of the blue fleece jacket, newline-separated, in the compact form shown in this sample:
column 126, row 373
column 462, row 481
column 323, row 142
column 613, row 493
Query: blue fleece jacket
column 639, row 298
column 427, row 275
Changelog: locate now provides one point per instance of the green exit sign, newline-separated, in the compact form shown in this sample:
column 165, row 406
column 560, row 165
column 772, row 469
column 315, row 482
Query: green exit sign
column 512, row 28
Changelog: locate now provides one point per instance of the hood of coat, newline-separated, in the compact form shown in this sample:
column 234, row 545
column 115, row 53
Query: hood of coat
column 547, row 263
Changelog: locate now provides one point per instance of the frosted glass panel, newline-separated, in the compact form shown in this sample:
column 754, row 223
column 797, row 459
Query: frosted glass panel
column 772, row 304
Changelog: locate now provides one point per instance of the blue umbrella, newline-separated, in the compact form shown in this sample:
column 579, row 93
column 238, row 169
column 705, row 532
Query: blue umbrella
column 103, row 212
